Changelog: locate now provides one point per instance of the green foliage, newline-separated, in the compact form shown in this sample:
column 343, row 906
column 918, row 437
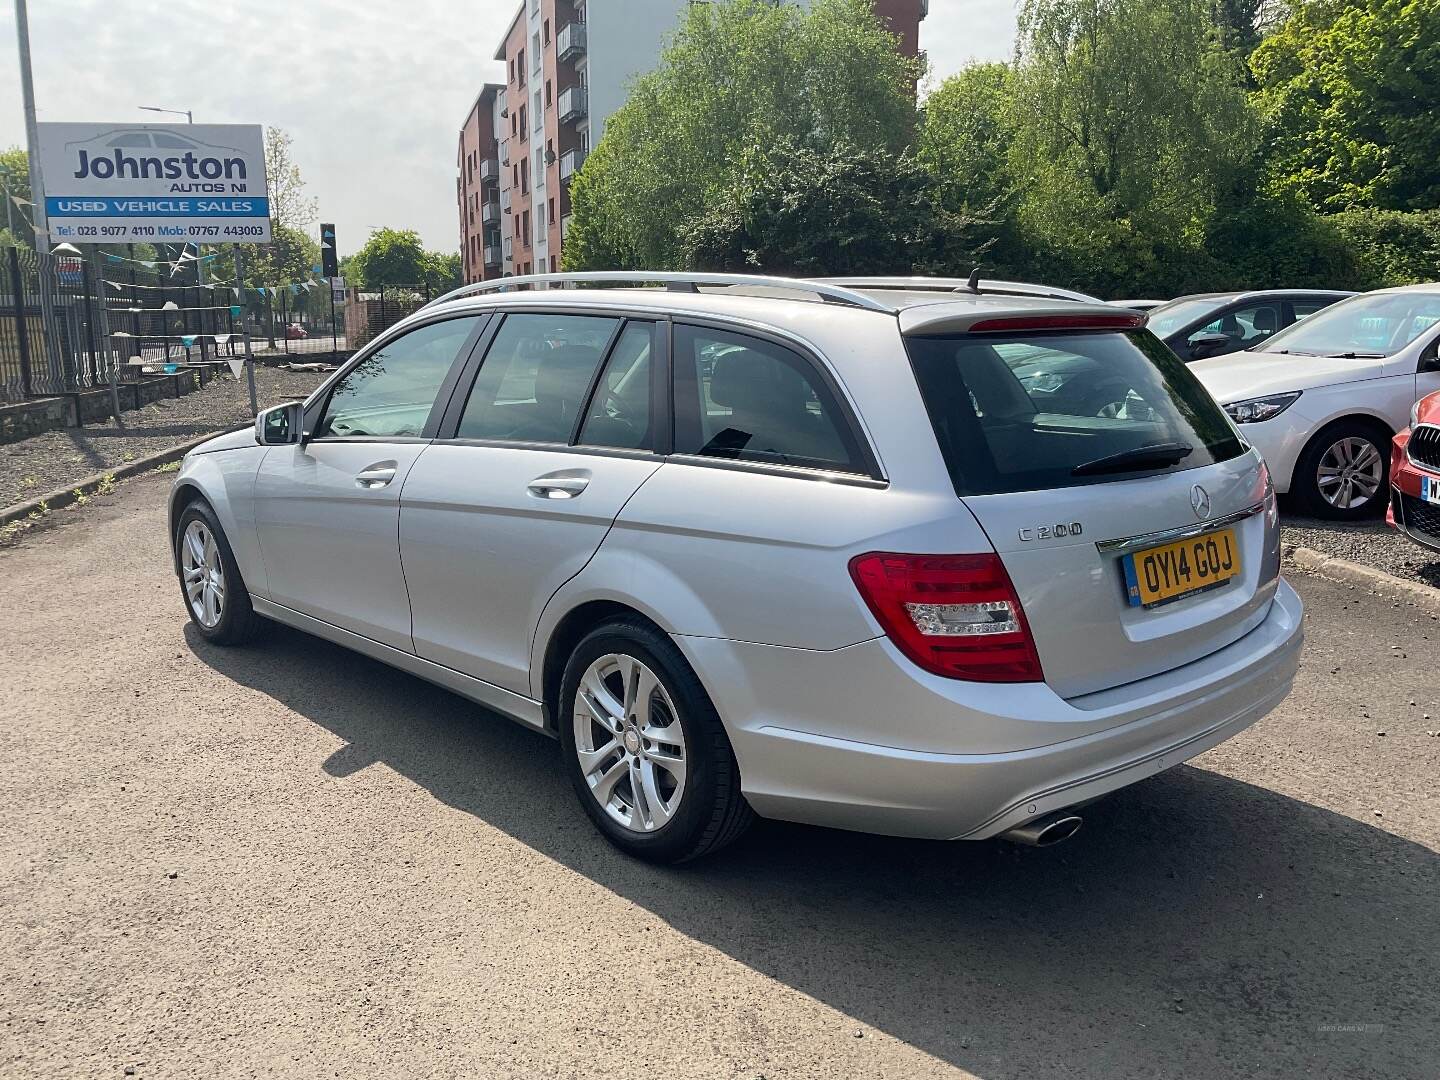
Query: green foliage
column 1133, row 147
column 736, row 76
column 1350, row 90
column 389, row 257
column 963, row 142
column 396, row 257
column 1124, row 110
column 837, row 210
column 1392, row 247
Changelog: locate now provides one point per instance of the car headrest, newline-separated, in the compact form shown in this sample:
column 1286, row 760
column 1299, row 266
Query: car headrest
column 748, row 381
column 564, row 375
column 1265, row 320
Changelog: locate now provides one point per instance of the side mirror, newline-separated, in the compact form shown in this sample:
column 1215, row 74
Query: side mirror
column 280, row 425
column 1203, row 345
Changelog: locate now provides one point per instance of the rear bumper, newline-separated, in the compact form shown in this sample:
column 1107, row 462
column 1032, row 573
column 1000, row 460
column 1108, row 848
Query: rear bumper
column 800, row 760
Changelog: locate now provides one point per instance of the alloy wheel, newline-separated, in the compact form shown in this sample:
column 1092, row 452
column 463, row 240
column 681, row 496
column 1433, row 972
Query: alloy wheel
column 204, row 574
column 629, row 742
column 1350, row 473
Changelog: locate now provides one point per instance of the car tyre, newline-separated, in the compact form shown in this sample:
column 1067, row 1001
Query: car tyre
column 632, row 713
column 1344, row 472
column 218, row 603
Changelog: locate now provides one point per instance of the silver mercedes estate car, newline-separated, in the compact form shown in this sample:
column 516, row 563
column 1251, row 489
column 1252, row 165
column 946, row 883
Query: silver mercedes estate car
column 927, row 560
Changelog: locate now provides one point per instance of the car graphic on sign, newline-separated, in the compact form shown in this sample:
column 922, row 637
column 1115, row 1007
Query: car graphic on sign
column 117, row 154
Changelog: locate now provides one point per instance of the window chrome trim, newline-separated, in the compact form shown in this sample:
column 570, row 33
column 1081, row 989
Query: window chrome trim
column 766, row 468
column 1185, row 532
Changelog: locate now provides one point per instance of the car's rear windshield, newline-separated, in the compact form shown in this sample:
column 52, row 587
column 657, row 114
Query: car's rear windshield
column 1051, row 410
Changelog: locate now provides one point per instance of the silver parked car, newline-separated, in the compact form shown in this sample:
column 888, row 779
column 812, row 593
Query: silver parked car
column 906, row 561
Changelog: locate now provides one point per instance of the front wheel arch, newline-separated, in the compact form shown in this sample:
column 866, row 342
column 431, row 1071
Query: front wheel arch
column 1368, row 423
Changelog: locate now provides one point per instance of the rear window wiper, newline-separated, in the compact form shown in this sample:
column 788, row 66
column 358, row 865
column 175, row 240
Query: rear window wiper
column 1158, row 455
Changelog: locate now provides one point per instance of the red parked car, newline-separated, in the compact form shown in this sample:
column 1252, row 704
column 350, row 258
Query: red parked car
column 1415, row 476
column 294, row 331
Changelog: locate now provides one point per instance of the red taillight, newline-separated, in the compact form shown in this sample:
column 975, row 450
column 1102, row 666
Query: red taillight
column 954, row 615
column 1059, row 322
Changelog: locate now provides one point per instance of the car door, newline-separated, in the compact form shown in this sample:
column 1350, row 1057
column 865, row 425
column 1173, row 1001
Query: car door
column 327, row 510
column 537, row 456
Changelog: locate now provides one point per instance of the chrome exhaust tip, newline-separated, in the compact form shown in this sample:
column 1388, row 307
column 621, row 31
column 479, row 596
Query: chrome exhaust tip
column 1046, row 831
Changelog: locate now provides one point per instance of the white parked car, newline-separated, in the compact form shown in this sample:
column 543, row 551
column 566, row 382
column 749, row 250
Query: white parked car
column 1323, row 398
column 911, row 561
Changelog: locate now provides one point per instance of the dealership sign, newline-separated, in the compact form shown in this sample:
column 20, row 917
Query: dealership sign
column 153, row 183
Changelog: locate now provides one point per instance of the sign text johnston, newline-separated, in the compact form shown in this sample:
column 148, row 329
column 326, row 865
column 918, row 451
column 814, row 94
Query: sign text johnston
column 186, row 183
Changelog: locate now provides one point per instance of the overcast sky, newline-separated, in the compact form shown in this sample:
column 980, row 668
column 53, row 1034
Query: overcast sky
column 372, row 91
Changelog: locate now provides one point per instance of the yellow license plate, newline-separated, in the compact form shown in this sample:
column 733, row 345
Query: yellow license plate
column 1170, row 572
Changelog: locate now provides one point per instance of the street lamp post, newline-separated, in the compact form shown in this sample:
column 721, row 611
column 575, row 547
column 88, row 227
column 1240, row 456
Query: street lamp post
column 189, row 117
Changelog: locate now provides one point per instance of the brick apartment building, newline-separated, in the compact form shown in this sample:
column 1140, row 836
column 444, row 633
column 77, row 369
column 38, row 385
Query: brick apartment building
column 567, row 66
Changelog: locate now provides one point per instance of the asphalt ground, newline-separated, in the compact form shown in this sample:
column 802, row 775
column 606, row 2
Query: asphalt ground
column 288, row 860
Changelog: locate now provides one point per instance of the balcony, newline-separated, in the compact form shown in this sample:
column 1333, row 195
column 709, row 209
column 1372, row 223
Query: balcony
column 565, row 226
column 570, row 163
column 506, row 200
column 570, row 42
column 573, row 105
column 507, row 248
column 490, row 213
column 493, row 255
column 489, row 170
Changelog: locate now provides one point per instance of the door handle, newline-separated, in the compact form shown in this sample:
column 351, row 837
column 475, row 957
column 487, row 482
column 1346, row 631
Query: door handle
column 377, row 476
column 558, row 486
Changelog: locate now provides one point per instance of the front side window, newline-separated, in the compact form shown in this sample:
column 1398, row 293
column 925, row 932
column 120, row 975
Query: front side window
column 1041, row 411
column 535, row 378
column 389, row 394
column 749, row 399
column 1245, row 326
column 619, row 413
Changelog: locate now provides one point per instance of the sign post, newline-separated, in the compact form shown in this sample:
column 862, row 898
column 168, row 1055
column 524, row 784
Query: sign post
column 330, row 268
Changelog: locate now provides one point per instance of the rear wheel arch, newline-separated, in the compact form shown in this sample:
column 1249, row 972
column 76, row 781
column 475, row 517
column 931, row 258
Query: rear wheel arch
column 568, row 633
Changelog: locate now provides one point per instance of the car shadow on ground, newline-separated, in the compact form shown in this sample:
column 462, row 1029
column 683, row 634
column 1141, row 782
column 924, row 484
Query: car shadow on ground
column 1197, row 925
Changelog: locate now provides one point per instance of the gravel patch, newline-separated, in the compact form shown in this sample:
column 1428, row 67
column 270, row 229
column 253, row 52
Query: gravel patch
column 58, row 458
column 1369, row 543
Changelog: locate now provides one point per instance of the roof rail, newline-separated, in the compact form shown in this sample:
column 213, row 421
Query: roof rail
column 972, row 285
column 675, row 281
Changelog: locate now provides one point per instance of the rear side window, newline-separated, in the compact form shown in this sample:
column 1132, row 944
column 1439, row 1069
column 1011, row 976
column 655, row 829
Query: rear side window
column 1042, row 411
column 749, row 399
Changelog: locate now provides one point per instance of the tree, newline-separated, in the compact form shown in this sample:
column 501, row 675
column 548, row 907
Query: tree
column 1349, row 90
column 290, row 207
column 15, row 180
column 1129, row 120
column 793, row 209
column 736, row 75
column 396, row 257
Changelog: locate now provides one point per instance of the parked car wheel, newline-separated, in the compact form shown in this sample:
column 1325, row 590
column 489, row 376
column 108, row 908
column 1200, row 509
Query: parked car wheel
column 214, row 592
column 1343, row 473
column 647, row 754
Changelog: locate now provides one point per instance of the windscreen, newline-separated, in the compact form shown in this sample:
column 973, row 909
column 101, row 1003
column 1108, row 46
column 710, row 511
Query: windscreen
column 1178, row 314
column 1050, row 410
column 1374, row 325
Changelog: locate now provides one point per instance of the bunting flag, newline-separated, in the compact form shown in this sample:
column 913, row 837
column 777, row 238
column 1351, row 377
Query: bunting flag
column 161, row 288
column 20, row 202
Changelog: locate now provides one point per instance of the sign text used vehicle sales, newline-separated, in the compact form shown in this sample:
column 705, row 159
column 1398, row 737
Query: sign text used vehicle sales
column 153, row 183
